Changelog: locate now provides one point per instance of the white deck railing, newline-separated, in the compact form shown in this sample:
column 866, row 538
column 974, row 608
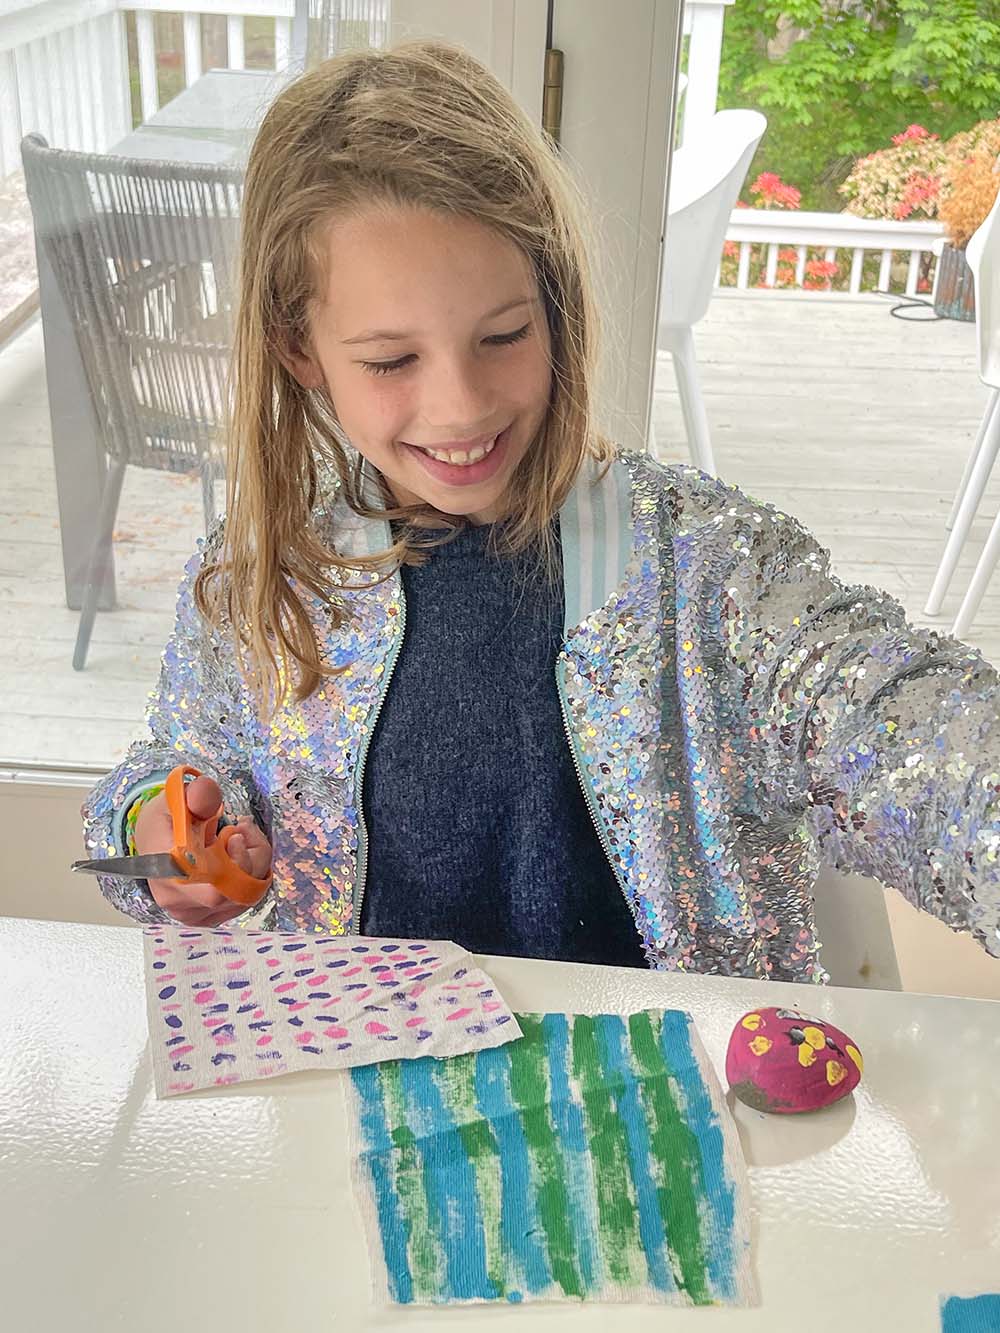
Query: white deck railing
column 762, row 233
column 64, row 64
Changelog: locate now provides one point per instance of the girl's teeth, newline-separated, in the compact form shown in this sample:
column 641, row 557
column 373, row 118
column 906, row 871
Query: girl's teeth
column 462, row 457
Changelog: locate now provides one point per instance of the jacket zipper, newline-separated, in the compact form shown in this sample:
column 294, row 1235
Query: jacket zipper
column 362, row 873
column 585, row 787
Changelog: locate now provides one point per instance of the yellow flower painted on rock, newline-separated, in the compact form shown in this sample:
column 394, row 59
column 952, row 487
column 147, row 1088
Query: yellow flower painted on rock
column 760, row 1045
column 855, row 1055
column 752, row 1021
column 807, row 1055
column 835, row 1073
column 815, row 1037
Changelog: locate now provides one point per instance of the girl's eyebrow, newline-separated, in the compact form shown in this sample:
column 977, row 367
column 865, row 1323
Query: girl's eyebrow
column 391, row 335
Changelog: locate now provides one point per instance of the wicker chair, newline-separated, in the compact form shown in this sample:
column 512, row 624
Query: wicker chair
column 144, row 255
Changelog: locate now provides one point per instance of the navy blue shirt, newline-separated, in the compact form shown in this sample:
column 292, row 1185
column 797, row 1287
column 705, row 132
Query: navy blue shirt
column 478, row 827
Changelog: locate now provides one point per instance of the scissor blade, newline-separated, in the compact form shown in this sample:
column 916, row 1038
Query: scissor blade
column 160, row 866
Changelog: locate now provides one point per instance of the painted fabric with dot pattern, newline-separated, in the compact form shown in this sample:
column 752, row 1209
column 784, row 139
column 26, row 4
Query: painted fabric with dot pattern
column 231, row 1006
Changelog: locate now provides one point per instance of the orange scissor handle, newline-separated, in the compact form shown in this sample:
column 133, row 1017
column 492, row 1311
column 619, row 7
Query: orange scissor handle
column 211, row 864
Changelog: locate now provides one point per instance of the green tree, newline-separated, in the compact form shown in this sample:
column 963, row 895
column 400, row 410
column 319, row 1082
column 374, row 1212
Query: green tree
column 837, row 78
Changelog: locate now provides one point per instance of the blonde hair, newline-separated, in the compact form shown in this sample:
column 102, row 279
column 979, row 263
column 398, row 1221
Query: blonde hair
column 421, row 124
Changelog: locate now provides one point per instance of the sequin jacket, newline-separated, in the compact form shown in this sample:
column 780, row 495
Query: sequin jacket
column 736, row 715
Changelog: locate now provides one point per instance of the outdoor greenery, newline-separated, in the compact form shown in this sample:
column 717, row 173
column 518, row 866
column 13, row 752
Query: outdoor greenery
column 838, row 79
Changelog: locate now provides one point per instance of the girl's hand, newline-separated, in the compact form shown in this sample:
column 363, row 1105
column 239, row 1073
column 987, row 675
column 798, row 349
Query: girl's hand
column 199, row 904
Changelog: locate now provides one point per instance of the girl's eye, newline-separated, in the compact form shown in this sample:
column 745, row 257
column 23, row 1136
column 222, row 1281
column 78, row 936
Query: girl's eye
column 498, row 340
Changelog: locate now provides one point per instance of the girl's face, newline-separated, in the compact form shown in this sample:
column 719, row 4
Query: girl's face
column 432, row 341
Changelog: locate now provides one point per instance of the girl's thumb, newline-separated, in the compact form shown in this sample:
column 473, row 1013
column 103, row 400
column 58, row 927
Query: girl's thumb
column 203, row 796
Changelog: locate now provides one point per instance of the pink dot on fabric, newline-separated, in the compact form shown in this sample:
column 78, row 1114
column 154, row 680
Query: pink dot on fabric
column 178, row 1051
column 240, row 963
column 166, row 976
column 491, row 1006
column 415, row 1022
column 158, row 953
column 180, row 1087
column 304, row 1036
column 204, row 996
column 415, row 991
column 294, row 1008
column 375, row 1028
column 459, row 1013
column 335, row 1032
column 264, row 1041
column 351, row 971
column 285, row 985
column 258, row 1013
column 223, row 1038
column 272, row 962
column 318, row 981
column 373, row 958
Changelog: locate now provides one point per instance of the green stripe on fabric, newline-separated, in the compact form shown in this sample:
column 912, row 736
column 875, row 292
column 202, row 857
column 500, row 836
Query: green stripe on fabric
column 620, row 1241
column 677, row 1161
column 426, row 1255
column 529, row 1090
column 456, row 1078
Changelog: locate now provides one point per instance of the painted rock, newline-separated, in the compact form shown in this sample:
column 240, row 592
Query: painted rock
column 780, row 1061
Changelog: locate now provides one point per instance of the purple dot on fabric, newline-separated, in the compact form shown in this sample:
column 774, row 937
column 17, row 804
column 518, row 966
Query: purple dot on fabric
column 290, row 948
column 245, row 1008
column 172, row 1041
column 159, row 965
column 344, row 1046
column 476, row 1030
column 190, row 935
column 423, row 1034
column 318, row 995
column 417, row 948
column 375, row 1009
column 462, row 972
column 223, row 1057
column 266, row 949
column 295, row 1021
column 390, row 948
column 172, row 1021
column 313, row 1050
column 504, row 1018
column 484, row 994
column 179, row 1067
column 303, row 972
column 356, row 985
column 238, row 985
column 387, row 1036
column 340, row 962
column 380, row 967
column 202, row 954
column 406, row 962
column 167, row 991
column 360, row 948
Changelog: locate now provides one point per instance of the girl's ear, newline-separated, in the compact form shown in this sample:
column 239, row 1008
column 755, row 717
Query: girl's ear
column 302, row 365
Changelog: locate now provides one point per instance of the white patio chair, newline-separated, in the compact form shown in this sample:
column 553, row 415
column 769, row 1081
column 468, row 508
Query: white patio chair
column 705, row 181
column 983, row 256
column 144, row 253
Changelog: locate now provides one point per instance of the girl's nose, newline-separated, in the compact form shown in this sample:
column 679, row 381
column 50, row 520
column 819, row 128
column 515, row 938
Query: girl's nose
column 457, row 403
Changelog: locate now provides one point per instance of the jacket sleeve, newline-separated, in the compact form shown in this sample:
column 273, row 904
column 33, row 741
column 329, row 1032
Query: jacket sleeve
column 198, row 714
column 886, row 737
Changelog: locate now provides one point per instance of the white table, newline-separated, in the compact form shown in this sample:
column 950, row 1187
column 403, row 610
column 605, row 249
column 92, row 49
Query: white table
column 231, row 1209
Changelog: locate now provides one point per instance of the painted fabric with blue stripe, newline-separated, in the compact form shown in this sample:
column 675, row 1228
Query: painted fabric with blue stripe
column 593, row 1159
column 972, row 1314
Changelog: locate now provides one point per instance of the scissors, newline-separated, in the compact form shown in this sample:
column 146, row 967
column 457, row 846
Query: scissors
column 190, row 858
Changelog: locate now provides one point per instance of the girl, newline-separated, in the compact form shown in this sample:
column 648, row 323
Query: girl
column 466, row 670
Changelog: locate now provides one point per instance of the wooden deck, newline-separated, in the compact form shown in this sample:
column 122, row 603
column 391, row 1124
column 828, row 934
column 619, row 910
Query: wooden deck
column 856, row 422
